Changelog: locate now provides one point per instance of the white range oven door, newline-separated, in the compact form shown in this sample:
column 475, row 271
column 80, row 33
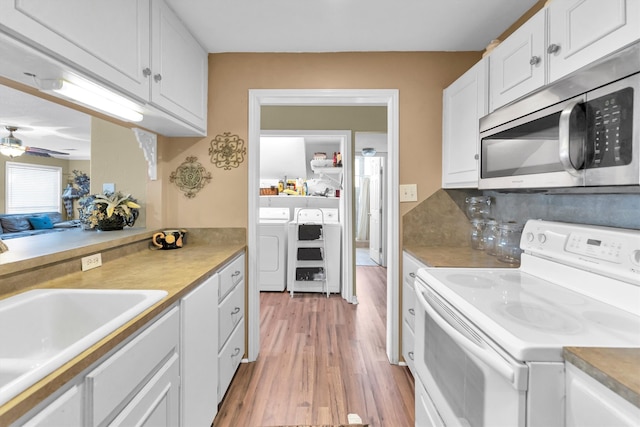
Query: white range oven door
column 469, row 379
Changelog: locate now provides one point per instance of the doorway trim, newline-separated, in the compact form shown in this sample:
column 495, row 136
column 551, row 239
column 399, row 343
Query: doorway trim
column 325, row 97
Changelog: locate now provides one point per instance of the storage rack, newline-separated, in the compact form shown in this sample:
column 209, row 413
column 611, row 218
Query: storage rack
column 310, row 254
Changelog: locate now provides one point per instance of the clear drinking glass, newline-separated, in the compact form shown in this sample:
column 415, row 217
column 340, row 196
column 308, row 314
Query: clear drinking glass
column 478, row 207
column 508, row 242
column 477, row 229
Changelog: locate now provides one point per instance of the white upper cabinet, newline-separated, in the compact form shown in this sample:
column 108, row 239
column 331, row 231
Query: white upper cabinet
column 558, row 40
column 109, row 39
column 582, row 31
column 138, row 47
column 517, row 65
column 464, row 102
column 179, row 68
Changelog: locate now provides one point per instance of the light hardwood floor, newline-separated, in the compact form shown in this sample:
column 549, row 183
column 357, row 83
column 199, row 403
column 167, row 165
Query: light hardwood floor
column 321, row 359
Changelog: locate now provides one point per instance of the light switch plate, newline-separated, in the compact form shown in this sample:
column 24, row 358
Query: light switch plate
column 91, row 261
column 409, row 193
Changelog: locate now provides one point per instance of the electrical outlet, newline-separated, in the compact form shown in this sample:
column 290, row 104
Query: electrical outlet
column 91, row 261
column 409, row 193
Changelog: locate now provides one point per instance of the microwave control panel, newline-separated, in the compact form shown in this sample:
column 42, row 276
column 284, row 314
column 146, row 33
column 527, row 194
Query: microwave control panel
column 610, row 129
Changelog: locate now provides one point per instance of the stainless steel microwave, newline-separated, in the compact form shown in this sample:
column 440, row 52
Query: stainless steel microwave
column 590, row 139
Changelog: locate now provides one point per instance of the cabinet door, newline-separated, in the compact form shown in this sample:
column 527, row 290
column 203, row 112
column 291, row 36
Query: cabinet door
column 582, row 31
column 517, row 65
column 157, row 404
column 464, row 102
column 108, row 39
column 66, row 410
column 199, row 354
column 179, row 69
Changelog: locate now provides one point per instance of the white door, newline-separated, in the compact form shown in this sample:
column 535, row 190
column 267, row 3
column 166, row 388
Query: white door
column 375, row 210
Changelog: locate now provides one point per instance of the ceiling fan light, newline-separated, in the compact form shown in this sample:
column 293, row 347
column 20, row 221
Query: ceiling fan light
column 369, row 152
column 94, row 96
column 11, row 146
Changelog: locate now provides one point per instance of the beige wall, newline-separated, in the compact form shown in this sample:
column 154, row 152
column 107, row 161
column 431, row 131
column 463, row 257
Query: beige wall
column 117, row 158
column 420, row 78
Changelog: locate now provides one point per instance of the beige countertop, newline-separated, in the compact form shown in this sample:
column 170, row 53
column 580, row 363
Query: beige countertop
column 458, row 256
column 175, row 271
column 616, row 368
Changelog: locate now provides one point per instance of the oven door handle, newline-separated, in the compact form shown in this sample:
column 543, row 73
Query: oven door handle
column 480, row 350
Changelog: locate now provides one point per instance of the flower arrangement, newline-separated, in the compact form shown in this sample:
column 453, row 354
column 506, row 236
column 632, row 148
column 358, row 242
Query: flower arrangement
column 109, row 211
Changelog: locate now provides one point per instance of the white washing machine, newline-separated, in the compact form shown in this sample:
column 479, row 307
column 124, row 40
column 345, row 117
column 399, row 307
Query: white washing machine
column 273, row 231
column 331, row 259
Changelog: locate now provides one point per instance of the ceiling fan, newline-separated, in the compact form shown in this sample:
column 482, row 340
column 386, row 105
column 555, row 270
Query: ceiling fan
column 12, row 147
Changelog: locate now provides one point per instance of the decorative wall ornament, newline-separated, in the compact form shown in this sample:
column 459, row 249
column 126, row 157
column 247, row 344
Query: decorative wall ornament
column 149, row 143
column 227, row 151
column 190, row 177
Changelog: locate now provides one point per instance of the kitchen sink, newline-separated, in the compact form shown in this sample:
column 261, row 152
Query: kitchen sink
column 42, row 329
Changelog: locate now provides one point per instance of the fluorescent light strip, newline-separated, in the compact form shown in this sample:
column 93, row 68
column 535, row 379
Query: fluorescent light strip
column 96, row 97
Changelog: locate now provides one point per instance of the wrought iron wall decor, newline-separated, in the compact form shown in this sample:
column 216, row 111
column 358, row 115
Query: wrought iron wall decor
column 190, row 177
column 227, row 151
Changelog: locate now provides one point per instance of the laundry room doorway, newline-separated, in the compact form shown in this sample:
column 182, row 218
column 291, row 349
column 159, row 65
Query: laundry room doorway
column 323, row 97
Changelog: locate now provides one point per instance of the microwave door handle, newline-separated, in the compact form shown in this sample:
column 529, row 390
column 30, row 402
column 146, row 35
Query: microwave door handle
column 564, row 138
column 484, row 353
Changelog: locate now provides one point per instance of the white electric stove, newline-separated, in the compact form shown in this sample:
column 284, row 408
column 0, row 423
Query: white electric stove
column 489, row 341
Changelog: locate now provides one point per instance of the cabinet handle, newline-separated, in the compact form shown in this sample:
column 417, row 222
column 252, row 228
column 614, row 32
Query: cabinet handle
column 157, row 77
column 535, row 60
column 476, row 157
column 237, row 273
column 146, row 72
column 236, row 352
column 236, row 310
column 410, row 354
column 412, row 275
column 553, row 48
column 412, row 312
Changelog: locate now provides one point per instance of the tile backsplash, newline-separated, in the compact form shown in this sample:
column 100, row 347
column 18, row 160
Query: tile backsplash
column 440, row 219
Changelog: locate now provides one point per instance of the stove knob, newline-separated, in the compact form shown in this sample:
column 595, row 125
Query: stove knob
column 635, row 256
column 530, row 237
column 542, row 238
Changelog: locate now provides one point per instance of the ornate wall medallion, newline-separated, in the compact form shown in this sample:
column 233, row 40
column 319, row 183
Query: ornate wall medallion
column 227, row 151
column 190, row 177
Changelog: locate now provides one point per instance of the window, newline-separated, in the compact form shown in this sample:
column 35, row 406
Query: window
column 32, row 188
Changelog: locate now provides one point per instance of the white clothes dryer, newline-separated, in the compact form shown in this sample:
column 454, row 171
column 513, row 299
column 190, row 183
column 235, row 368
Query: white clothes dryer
column 272, row 246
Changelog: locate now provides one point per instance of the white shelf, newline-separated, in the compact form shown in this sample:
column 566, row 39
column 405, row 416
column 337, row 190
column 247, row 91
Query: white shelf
column 332, row 170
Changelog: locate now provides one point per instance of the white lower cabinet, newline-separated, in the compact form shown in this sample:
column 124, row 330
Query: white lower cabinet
column 118, row 380
column 65, row 410
column 231, row 331
column 590, row 403
column 410, row 266
column 199, row 354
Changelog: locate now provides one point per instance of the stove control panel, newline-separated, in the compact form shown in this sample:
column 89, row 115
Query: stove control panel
column 613, row 252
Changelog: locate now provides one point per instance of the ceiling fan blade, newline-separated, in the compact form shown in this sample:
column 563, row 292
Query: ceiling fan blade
column 43, row 152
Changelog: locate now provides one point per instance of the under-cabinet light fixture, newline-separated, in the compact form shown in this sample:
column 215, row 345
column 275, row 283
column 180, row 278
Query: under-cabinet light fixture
column 94, row 96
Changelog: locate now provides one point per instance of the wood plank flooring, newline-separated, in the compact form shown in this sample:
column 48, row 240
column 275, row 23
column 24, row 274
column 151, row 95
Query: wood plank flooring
column 321, row 359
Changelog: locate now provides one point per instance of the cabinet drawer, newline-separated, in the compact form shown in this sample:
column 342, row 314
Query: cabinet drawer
column 408, row 304
column 230, row 313
column 408, row 346
column 229, row 359
column 130, row 367
column 230, row 276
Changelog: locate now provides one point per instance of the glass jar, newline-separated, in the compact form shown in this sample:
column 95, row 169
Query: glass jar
column 478, row 207
column 477, row 228
column 508, row 242
column 489, row 236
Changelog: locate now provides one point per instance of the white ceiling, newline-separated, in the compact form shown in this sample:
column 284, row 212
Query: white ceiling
column 347, row 25
column 287, row 26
